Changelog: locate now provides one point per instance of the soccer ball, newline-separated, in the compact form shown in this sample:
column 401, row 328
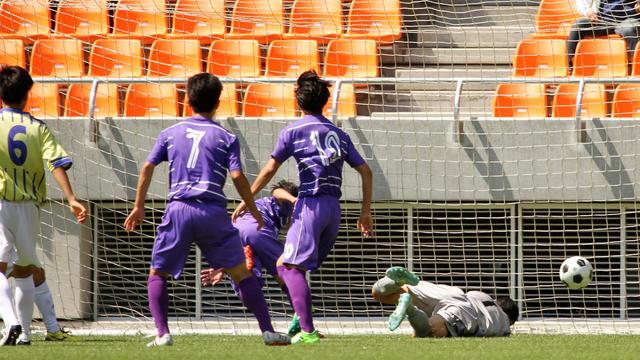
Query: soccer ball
column 576, row 272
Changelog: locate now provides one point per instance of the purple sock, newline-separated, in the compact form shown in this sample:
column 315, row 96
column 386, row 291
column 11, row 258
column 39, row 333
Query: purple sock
column 300, row 295
column 253, row 298
column 159, row 302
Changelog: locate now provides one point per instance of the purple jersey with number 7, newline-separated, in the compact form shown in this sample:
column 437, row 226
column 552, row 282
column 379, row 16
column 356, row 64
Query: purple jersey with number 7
column 199, row 152
column 320, row 149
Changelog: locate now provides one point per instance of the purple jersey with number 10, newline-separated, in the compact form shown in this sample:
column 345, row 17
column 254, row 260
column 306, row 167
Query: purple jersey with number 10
column 320, row 149
column 199, row 152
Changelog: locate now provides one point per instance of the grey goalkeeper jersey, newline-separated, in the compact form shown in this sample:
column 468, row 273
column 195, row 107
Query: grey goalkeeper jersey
column 472, row 314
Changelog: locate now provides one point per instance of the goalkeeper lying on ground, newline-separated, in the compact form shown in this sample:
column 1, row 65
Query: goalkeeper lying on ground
column 441, row 310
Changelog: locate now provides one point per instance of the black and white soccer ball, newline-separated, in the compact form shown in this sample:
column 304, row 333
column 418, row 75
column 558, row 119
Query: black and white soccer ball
column 576, row 272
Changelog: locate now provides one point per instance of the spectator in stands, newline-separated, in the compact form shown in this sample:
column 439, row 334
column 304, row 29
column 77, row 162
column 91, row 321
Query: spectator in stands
column 605, row 17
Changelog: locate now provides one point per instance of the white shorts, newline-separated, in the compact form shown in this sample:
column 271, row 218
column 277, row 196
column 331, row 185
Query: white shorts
column 19, row 228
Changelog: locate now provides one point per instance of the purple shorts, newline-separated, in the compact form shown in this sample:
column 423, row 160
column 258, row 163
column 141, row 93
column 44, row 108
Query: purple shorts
column 313, row 232
column 208, row 226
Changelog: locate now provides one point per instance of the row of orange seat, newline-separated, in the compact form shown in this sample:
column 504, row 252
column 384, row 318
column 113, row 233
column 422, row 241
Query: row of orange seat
column 183, row 58
column 530, row 101
column 161, row 100
column 204, row 20
column 597, row 57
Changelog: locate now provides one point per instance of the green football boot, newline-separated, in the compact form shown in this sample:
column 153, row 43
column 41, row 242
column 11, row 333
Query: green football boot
column 402, row 276
column 306, row 338
column 294, row 327
column 398, row 315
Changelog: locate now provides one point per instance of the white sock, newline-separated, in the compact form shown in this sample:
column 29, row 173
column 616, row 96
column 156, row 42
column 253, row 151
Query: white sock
column 25, row 297
column 6, row 304
column 44, row 301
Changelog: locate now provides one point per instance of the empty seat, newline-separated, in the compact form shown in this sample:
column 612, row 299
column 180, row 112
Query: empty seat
column 260, row 20
column 351, row 58
column 151, row 100
column 290, row 58
column 203, row 20
column 269, row 100
column 57, row 58
column 594, row 101
column 106, row 100
column 319, row 20
column 626, row 101
column 140, row 19
column 234, row 58
column 379, row 20
column 555, row 17
column 175, row 58
column 541, row 58
column 24, row 19
column 43, row 101
column 228, row 103
column 346, row 102
column 600, row 58
column 86, row 20
column 635, row 71
column 116, row 58
column 520, row 100
column 12, row 52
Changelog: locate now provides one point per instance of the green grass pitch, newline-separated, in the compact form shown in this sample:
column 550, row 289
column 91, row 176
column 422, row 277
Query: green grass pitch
column 517, row 347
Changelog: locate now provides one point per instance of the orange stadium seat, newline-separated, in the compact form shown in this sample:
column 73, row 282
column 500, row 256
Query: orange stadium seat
column 140, row 19
column 319, row 20
column 351, row 58
column 555, row 17
column 116, row 58
column 635, row 71
column 203, row 20
column 86, row 20
column 228, row 103
column 12, row 52
column 600, row 58
column 346, row 102
column 24, row 19
column 175, row 58
column 43, row 101
column 541, row 58
column 290, row 58
column 594, row 101
column 520, row 100
column 152, row 100
column 57, row 58
column 77, row 101
column 626, row 101
column 234, row 58
column 261, row 20
column 269, row 100
column 379, row 20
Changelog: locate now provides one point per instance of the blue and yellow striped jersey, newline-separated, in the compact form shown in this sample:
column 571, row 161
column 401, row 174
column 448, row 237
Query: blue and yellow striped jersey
column 25, row 143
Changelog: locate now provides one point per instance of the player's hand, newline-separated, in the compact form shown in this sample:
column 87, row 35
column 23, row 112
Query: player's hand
column 365, row 224
column 239, row 211
column 134, row 219
column 78, row 210
column 210, row 277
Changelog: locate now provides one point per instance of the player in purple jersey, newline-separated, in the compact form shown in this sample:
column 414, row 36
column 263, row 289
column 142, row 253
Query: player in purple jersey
column 320, row 149
column 200, row 152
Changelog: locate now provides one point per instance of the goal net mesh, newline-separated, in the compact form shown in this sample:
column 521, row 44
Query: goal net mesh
column 488, row 170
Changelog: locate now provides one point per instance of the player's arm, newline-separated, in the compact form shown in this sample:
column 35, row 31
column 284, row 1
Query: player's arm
column 365, row 222
column 283, row 195
column 78, row 210
column 265, row 175
column 137, row 214
column 244, row 190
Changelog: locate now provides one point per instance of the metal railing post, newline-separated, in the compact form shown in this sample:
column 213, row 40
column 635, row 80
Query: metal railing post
column 93, row 125
column 459, row 126
column 579, row 124
column 334, row 101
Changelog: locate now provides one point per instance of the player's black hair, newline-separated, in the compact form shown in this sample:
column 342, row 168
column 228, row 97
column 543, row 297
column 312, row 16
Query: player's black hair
column 509, row 307
column 312, row 93
column 15, row 83
column 203, row 92
column 287, row 186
